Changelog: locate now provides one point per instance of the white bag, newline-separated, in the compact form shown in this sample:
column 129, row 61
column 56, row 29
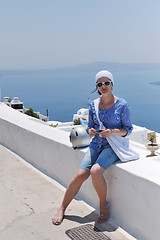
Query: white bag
column 120, row 145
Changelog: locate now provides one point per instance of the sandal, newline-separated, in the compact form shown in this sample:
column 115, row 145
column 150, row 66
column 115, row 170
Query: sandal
column 102, row 218
column 57, row 220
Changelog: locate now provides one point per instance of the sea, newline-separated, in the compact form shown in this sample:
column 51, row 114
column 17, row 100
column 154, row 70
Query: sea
column 64, row 91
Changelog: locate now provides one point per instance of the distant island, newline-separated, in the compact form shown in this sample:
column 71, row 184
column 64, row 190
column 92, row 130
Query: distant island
column 155, row 83
column 87, row 67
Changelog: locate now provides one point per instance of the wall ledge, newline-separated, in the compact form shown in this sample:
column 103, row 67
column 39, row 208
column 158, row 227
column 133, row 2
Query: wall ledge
column 133, row 187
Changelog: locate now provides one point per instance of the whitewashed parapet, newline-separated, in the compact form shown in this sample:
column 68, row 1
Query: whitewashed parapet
column 133, row 187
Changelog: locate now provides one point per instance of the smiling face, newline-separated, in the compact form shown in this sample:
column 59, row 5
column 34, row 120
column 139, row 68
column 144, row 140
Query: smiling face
column 104, row 88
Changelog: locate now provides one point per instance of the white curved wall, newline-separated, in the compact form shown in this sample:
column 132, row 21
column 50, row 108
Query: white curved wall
column 133, row 187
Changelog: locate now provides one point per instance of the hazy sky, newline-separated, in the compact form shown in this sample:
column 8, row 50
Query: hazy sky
column 53, row 33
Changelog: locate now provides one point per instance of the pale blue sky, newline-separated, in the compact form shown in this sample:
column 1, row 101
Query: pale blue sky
column 53, row 33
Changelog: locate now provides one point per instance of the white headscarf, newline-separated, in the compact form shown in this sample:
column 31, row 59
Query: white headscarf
column 104, row 73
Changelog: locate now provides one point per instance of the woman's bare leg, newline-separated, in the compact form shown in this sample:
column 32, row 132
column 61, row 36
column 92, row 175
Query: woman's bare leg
column 100, row 186
column 70, row 193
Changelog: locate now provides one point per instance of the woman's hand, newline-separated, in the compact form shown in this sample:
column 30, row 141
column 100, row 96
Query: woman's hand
column 106, row 132
column 92, row 132
column 117, row 132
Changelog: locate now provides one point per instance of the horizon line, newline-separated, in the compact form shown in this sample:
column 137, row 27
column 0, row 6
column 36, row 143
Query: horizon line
column 78, row 65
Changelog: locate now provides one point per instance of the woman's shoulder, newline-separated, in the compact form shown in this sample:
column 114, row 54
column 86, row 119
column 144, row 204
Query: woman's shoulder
column 122, row 101
column 121, row 104
column 92, row 105
column 93, row 102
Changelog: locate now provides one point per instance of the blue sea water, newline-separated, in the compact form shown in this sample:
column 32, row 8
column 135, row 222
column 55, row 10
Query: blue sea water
column 64, row 92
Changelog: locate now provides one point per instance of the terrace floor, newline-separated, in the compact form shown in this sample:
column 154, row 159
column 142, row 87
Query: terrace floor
column 29, row 199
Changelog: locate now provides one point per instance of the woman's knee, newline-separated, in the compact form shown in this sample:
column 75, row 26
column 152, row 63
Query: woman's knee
column 97, row 170
column 81, row 175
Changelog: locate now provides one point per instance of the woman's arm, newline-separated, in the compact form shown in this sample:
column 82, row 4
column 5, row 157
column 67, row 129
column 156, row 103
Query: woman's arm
column 126, row 119
column 91, row 125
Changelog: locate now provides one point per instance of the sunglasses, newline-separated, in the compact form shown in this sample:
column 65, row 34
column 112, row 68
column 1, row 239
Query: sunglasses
column 100, row 84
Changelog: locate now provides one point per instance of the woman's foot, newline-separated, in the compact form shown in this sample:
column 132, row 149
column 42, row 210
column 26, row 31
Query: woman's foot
column 103, row 214
column 58, row 218
column 102, row 218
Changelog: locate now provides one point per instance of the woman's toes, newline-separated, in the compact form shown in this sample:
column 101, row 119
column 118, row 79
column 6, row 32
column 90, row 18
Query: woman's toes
column 58, row 218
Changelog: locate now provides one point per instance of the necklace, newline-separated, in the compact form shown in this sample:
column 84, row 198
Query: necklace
column 105, row 106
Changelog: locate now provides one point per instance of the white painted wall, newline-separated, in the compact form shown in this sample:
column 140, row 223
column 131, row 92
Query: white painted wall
column 133, row 187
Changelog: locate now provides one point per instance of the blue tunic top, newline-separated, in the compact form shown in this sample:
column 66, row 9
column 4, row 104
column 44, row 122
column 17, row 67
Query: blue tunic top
column 118, row 116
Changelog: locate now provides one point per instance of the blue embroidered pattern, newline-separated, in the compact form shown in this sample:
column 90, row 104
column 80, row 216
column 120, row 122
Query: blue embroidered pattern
column 119, row 116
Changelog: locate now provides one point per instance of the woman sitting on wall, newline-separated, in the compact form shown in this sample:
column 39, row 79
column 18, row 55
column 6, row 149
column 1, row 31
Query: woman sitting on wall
column 108, row 116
